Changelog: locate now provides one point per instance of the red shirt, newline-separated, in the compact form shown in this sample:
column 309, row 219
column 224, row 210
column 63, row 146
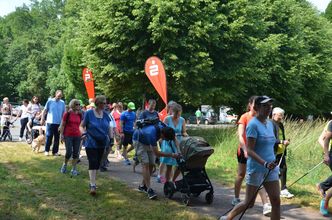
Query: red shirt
column 72, row 124
column 116, row 115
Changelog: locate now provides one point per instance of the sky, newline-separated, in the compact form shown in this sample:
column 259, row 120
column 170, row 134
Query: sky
column 7, row 6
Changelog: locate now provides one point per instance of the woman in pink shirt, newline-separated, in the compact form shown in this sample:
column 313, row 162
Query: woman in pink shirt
column 71, row 135
column 116, row 113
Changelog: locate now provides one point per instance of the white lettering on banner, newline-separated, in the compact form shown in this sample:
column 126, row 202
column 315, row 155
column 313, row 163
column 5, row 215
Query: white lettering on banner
column 154, row 70
column 87, row 77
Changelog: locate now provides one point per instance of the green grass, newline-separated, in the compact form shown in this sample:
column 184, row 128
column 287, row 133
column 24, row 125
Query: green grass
column 304, row 153
column 32, row 188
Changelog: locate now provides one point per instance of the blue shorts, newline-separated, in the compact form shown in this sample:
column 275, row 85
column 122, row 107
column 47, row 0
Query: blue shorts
column 256, row 178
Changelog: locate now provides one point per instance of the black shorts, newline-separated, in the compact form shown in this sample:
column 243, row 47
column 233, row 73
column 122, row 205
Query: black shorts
column 94, row 157
column 127, row 139
column 240, row 156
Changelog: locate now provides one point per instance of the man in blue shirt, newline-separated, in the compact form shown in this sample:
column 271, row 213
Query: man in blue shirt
column 145, row 141
column 127, row 122
column 150, row 113
column 54, row 108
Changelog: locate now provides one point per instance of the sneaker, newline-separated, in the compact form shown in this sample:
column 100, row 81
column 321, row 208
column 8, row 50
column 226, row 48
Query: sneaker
column 56, row 154
column 223, row 218
column 267, row 209
column 63, row 168
column 320, row 190
column 19, row 139
column 127, row 162
column 74, row 172
column 142, row 188
column 286, row 194
column 323, row 210
column 235, row 201
column 151, row 194
column 47, row 153
column 93, row 190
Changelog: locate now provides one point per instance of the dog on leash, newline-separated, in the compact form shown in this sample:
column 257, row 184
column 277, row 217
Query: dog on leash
column 37, row 142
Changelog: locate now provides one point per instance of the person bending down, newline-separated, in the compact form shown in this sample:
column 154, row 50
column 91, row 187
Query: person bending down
column 145, row 142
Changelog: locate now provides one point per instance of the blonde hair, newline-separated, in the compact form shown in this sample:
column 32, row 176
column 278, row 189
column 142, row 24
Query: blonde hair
column 72, row 103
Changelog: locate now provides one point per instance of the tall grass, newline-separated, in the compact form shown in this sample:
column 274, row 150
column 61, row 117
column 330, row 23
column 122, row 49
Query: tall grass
column 303, row 153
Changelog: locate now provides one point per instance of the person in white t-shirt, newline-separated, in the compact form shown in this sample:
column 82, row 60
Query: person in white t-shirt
column 24, row 114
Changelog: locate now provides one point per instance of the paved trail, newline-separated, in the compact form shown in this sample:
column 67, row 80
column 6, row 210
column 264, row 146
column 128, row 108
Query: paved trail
column 222, row 197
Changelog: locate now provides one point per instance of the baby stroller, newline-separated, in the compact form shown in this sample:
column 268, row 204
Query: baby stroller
column 6, row 130
column 195, row 152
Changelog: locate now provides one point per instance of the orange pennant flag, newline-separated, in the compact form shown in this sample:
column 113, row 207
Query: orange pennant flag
column 88, row 81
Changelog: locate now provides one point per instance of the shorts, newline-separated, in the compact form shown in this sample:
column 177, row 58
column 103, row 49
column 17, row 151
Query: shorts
column 240, row 156
column 127, row 139
column 256, row 178
column 144, row 153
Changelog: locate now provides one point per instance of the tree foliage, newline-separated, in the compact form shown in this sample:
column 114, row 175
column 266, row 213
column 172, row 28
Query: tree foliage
column 214, row 52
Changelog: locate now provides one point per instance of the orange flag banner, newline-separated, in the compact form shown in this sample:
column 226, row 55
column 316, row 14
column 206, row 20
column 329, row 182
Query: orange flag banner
column 154, row 69
column 88, row 81
column 163, row 114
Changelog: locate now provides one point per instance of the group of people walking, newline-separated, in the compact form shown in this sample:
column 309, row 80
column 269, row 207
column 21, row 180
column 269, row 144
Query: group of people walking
column 99, row 127
column 261, row 154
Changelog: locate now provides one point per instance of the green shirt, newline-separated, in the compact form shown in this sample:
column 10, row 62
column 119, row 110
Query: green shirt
column 198, row 113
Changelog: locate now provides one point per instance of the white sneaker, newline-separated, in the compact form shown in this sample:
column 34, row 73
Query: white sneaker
column 286, row 194
column 19, row 139
column 223, row 218
column 47, row 153
column 267, row 209
column 235, row 201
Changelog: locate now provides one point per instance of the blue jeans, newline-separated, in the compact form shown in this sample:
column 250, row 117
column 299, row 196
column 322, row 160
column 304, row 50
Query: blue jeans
column 52, row 130
column 72, row 147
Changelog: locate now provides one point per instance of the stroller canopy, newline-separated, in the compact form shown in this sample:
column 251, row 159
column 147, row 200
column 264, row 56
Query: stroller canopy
column 195, row 151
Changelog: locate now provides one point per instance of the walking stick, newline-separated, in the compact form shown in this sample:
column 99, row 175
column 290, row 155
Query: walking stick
column 306, row 173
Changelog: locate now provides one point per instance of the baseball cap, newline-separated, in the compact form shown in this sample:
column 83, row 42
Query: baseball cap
column 263, row 99
column 131, row 105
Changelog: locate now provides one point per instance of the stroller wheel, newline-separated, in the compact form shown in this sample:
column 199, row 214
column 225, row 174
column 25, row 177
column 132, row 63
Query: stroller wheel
column 209, row 197
column 169, row 190
column 186, row 199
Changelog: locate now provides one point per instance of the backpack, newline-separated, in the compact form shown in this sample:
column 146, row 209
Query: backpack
column 145, row 122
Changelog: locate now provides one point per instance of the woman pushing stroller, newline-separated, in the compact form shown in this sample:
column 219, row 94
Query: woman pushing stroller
column 178, row 123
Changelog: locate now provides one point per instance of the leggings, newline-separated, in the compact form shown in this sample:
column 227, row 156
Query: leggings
column 94, row 157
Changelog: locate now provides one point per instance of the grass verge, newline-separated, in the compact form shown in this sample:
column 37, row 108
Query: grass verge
column 31, row 188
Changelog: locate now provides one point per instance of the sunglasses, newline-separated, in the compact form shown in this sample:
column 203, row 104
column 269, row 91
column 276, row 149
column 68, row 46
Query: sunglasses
column 77, row 104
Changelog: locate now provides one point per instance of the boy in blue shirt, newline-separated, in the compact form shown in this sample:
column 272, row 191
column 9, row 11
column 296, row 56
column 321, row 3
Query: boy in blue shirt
column 127, row 122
